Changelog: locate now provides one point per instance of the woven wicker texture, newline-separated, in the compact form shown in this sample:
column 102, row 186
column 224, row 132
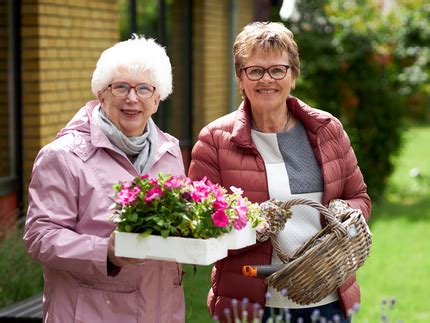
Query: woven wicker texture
column 327, row 260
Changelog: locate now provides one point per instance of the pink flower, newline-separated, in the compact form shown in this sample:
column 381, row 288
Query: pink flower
column 127, row 195
column 241, row 211
column 200, row 191
column 241, row 207
column 153, row 193
column 153, row 181
column 220, row 219
column 239, row 223
column 220, row 204
column 174, row 182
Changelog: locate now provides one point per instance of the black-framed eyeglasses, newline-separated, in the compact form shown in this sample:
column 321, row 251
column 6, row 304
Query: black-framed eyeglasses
column 122, row 89
column 276, row 72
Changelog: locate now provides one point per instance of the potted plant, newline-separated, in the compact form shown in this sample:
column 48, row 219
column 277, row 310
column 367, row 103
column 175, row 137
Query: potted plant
column 175, row 218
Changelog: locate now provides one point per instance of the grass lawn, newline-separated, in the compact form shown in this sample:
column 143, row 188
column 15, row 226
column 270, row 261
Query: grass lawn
column 399, row 266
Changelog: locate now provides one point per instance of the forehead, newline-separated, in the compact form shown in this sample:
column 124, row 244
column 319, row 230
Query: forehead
column 131, row 76
column 267, row 59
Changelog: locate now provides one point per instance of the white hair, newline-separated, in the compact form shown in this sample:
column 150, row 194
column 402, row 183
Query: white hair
column 137, row 54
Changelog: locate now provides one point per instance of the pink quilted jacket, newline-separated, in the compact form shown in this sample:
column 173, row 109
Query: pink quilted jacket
column 226, row 154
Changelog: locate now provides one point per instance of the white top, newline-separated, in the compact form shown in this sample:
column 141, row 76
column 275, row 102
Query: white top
column 292, row 172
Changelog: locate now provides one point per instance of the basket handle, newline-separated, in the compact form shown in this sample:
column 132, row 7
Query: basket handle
column 332, row 221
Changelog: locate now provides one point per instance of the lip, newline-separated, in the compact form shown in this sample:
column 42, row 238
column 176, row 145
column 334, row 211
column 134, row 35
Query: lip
column 267, row 91
column 130, row 112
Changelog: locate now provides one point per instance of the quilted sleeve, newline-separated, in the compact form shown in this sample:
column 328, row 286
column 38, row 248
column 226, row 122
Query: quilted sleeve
column 355, row 189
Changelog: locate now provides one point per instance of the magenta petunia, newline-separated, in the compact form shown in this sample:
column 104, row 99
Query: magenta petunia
column 200, row 191
column 220, row 204
column 127, row 196
column 174, row 182
column 153, row 193
column 241, row 210
column 241, row 207
column 220, row 219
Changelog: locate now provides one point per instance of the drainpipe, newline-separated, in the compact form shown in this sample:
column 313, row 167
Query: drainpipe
column 14, row 181
column 187, row 95
column 232, row 73
column 133, row 16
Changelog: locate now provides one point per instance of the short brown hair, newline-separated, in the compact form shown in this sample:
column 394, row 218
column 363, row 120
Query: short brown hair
column 266, row 37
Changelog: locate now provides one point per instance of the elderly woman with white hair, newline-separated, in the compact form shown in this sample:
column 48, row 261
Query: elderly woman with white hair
column 68, row 228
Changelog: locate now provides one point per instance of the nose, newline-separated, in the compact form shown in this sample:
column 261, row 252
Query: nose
column 266, row 76
column 132, row 95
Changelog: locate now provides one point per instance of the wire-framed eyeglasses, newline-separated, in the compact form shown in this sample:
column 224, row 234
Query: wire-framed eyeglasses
column 276, row 72
column 122, row 89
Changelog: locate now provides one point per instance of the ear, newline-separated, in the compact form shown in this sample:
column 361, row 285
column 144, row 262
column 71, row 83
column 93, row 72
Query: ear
column 101, row 97
column 293, row 84
column 240, row 84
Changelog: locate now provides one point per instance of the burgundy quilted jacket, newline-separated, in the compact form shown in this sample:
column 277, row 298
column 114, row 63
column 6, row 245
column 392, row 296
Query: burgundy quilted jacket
column 226, row 154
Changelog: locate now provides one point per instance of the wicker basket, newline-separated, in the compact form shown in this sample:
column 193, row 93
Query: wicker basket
column 327, row 260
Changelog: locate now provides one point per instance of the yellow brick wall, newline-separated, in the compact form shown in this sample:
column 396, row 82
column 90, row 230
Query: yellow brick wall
column 245, row 15
column 61, row 42
column 211, row 55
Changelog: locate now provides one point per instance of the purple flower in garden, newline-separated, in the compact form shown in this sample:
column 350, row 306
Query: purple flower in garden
column 127, row 195
column 220, row 218
column 153, row 193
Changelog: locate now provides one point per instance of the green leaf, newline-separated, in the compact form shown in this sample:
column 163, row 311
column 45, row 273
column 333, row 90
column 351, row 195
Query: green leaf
column 164, row 233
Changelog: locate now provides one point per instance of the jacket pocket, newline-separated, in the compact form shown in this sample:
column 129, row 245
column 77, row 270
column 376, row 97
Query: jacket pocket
column 104, row 305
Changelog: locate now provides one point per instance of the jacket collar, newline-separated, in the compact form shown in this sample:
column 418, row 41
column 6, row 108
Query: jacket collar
column 82, row 123
column 312, row 120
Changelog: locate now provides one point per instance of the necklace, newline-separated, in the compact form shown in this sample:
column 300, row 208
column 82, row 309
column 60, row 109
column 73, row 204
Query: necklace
column 254, row 126
column 288, row 120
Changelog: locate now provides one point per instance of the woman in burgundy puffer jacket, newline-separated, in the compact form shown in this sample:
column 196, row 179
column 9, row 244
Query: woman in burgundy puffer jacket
column 276, row 146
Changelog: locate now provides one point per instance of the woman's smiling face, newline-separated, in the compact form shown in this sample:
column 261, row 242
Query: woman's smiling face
column 267, row 93
column 129, row 113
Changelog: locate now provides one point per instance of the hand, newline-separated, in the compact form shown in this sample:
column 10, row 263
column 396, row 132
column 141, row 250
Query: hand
column 120, row 261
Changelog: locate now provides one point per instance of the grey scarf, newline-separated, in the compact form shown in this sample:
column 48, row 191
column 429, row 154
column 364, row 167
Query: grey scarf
column 142, row 147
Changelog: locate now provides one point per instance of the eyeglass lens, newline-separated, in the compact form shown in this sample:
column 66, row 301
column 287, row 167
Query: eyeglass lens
column 277, row 72
column 123, row 89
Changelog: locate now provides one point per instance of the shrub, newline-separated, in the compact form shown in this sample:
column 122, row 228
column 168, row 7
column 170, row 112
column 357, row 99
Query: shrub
column 22, row 277
column 356, row 65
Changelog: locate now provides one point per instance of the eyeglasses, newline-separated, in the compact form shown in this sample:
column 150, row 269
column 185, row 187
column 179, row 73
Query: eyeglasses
column 276, row 72
column 122, row 89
